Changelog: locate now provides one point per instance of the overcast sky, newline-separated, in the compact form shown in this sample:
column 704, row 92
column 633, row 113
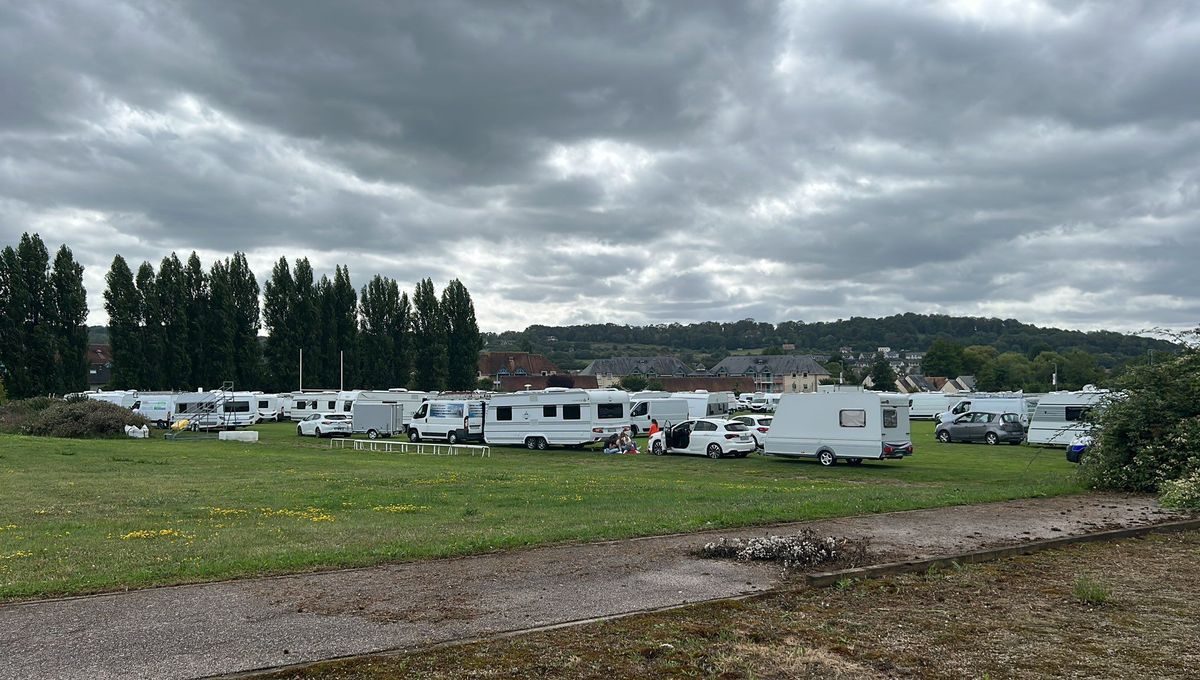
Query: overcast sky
column 629, row 162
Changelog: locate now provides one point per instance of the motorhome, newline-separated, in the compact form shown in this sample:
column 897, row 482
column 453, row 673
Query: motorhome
column 1060, row 417
column 215, row 410
column 664, row 410
column 1013, row 403
column 556, row 416
column 705, row 404
column 449, row 419
column 832, row 426
column 305, row 404
column 377, row 419
column 927, row 405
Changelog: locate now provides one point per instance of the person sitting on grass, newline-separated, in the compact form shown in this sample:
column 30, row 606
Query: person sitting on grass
column 626, row 444
column 613, row 444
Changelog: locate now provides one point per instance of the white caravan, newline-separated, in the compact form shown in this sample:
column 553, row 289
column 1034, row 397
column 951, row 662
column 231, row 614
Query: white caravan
column 828, row 426
column 649, row 394
column 1059, row 416
column 123, row 398
column 305, row 404
column 705, row 404
column 1015, row 403
column 556, row 416
column 270, row 406
column 215, row 410
column 927, row 405
column 449, row 419
column 156, row 407
column 667, row 410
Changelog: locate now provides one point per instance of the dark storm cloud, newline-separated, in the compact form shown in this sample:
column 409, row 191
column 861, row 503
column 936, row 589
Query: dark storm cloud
column 630, row 161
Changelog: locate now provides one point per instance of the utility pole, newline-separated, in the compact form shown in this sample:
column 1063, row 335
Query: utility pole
column 302, row 370
column 341, row 371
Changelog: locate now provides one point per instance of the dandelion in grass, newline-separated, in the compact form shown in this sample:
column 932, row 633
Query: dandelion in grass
column 400, row 508
column 225, row 512
column 143, row 534
column 16, row 555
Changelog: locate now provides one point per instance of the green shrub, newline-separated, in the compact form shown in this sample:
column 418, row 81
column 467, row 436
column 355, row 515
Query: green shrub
column 1182, row 493
column 46, row 417
column 1150, row 435
column 1090, row 591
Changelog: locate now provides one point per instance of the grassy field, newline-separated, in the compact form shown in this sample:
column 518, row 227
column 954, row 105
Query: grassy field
column 86, row 516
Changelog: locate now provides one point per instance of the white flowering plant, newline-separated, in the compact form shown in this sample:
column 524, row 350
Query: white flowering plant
column 803, row 550
column 1181, row 493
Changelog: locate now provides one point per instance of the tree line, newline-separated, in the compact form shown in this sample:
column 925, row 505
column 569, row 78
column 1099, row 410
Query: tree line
column 185, row 327
column 43, row 332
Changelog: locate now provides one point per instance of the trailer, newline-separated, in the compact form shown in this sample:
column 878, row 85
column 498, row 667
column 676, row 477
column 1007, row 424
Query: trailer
column 377, row 419
column 216, row 410
column 556, row 416
column 305, row 404
column 1060, row 417
column 828, row 426
column 270, row 406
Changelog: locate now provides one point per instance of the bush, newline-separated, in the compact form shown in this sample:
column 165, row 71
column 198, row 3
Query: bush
column 45, row 417
column 1150, row 434
column 1182, row 493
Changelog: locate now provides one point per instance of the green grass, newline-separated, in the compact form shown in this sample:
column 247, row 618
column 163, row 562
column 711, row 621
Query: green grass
column 86, row 516
column 1087, row 590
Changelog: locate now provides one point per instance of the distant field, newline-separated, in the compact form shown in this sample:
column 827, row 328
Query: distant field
column 85, row 516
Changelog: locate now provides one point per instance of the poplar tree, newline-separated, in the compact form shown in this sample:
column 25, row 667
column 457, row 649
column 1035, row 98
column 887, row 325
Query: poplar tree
column 245, row 322
column 304, row 315
column 11, row 350
column 463, row 341
column 324, row 359
column 344, row 325
column 196, row 303
column 379, row 307
column 35, row 325
column 124, row 329
column 279, row 298
column 402, row 342
column 151, row 329
column 173, row 309
column 429, row 338
column 69, row 323
column 219, row 361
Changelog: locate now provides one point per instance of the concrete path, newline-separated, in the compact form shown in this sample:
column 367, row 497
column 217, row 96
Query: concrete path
column 217, row 628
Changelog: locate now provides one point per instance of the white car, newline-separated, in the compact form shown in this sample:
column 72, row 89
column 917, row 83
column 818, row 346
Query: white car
column 326, row 425
column 759, row 426
column 712, row 437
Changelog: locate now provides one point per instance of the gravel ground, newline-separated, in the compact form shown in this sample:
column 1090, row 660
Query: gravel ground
column 217, row 628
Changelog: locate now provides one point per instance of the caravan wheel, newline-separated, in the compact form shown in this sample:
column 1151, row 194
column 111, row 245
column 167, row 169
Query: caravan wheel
column 826, row 458
column 531, row 443
column 372, row 434
column 542, row 444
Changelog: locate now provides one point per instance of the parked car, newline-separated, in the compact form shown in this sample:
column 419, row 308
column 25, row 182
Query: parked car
column 1078, row 446
column 759, row 426
column 326, row 425
column 712, row 437
column 980, row 426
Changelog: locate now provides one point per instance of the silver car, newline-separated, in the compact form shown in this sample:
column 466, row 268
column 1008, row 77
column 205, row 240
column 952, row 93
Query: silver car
column 979, row 426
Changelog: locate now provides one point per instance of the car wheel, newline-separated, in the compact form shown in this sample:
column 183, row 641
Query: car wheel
column 943, row 436
column 531, row 443
column 714, row 450
column 542, row 444
column 451, row 438
column 657, row 448
column 826, row 458
column 299, row 432
column 414, row 436
column 854, row 461
column 372, row 434
column 991, row 438
column 318, row 431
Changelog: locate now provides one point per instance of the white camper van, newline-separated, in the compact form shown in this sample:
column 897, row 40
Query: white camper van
column 927, row 405
column 556, row 416
column 215, row 410
column 1059, row 416
column 452, row 420
column 156, row 407
column 1014, row 403
column 305, row 404
column 705, row 404
column 667, row 410
column 828, row 426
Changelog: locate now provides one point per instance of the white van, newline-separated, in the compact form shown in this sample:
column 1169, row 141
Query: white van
column 451, row 420
column 705, row 404
column 927, row 405
column 1005, row 404
column 556, row 416
column 1059, row 416
column 215, row 410
column 156, row 407
column 305, row 404
column 642, row 411
column 828, row 426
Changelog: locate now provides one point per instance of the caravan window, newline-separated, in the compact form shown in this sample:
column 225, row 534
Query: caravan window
column 299, row 405
column 348, row 406
column 570, row 411
column 549, row 411
column 852, row 417
column 503, row 413
column 237, row 407
column 262, row 403
column 640, row 410
column 889, row 418
column 332, row 405
column 609, row 411
column 1075, row 413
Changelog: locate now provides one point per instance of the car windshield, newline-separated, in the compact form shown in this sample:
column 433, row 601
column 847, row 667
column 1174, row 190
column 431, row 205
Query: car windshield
column 766, row 422
column 735, row 427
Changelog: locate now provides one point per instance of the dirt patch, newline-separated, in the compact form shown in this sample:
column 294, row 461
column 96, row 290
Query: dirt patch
column 1019, row 618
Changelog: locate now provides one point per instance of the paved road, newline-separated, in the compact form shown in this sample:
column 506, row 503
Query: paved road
column 209, row 629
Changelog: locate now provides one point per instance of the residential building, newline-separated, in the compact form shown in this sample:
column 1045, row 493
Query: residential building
column 500, row 365
column 99, row 363
column 783, row 373
column 609, row 372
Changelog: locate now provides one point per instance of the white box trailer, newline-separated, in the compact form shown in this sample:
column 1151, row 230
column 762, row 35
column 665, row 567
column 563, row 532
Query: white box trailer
column 377, row 419
column 556, row 416
column 828, row 426
column 451, row 420
column 215, row 410
column 705, row 404
column 927, row 405
column 1061, row 416
column 305, row 404
column 411, row 400
column 664, row 410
